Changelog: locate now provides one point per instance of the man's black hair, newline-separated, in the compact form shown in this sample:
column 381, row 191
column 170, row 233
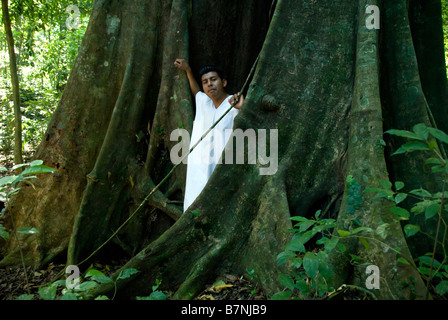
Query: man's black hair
column 211, row 68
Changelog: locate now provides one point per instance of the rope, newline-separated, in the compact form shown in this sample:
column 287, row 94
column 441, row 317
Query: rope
column 145, row 200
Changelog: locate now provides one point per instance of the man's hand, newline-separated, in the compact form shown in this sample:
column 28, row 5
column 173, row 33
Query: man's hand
column 238, row 99
column 182, row 64
column 185, row 66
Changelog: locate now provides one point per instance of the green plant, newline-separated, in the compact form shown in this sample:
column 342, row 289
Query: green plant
column 46, row 53
column 155, row 294
column 431, row 204
column 311, row 273
column 9, row 186
column 93, row 279
column 252, row 276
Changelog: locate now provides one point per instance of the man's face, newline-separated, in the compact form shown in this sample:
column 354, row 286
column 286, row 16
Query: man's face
column 213, row 85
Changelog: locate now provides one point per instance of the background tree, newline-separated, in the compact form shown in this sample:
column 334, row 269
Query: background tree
column 445, row 27
column 15, row 84
column 329, row 85
column 45, row 50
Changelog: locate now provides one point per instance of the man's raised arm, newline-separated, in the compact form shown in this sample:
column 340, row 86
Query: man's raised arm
column 185, row 66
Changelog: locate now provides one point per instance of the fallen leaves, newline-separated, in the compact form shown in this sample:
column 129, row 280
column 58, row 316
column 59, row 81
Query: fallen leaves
column 13, row 282
column 231, row 288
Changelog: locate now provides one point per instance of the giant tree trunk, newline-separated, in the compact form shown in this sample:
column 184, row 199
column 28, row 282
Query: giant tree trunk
column 324, row 81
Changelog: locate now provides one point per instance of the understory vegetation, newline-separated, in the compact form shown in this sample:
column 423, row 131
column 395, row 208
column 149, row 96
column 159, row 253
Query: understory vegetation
column 315, row 238
column 47, row 36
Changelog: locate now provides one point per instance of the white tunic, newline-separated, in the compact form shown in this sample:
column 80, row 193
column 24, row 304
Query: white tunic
column 202, row 161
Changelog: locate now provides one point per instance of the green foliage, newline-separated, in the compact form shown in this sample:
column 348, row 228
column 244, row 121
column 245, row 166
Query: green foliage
column 46, row 52
column 9, row 185
column 3, row 232
column 57, row 290
column 195, row 213
column 431, row 205
column 311, row 273
column 312, row 270
column 252, row 276
column 156, row 294
column 93, row 278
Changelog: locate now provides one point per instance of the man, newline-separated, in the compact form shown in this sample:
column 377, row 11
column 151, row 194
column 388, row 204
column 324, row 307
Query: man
column 210, row 106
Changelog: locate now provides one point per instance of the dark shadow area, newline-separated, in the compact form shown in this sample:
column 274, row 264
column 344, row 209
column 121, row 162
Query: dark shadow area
column 229, row 34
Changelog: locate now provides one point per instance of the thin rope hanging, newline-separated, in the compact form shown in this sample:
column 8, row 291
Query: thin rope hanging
column 142, row 204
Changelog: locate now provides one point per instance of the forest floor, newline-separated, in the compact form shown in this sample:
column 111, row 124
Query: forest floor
column 13, row 284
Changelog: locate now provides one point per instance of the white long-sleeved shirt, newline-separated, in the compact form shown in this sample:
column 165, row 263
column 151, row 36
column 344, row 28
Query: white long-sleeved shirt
column 202, row 161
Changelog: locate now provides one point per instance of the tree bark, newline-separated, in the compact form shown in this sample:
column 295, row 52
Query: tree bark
column 18, row 159
column 326, row 82
column 367, row 164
